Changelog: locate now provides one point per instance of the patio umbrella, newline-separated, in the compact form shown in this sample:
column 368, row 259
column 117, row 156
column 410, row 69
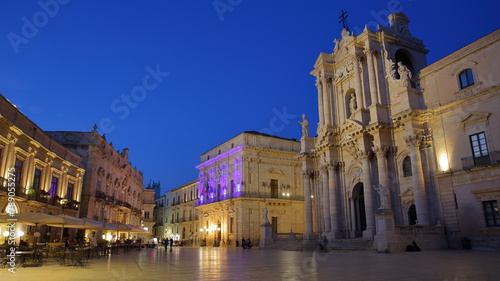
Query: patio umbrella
column 127, row 228
column 97, row 225
column 69, row 222
column 32, row 219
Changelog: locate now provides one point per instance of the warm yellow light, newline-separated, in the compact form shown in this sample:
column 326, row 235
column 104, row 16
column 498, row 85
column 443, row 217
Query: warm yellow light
column 5, row 233
column 20, row 233
column 443, row 162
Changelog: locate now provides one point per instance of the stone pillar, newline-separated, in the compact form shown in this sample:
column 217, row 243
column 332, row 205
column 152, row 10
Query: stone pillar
column 332, row 182
column 414, row 142
column 357, row 83
column 319, row 85
column 29, row 169
column 368, row 193
column 326, row 199
column 9, row 157
column 327, row 107
column 383, row 177
column 371, row 76
column 307, row 203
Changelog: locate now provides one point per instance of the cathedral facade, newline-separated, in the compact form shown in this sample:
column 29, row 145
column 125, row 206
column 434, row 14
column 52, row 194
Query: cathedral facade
column 380, row 137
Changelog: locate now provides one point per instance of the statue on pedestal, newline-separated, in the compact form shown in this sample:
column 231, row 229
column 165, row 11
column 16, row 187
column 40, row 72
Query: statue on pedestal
column 305, row 126
column 266, row 220
column 383, row 192
column 353, row 105
column 404, row 74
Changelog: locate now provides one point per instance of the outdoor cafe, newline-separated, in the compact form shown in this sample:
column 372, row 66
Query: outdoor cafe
column 89, row 239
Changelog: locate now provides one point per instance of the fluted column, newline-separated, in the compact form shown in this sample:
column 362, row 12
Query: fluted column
column 326, row 199
column 320, row 102
column 357, row 83
column 371, row 76
column 327, row 105
column 368, row 193
column 332, row 182
column 383, row 177
column 414, row 142
column 307, row 201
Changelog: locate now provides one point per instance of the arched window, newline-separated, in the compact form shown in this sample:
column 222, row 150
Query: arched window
column 466, row 78
column 407, row 167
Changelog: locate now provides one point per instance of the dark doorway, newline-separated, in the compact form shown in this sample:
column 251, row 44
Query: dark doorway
column 275, row 224
column 412, row 215
column 358, row 198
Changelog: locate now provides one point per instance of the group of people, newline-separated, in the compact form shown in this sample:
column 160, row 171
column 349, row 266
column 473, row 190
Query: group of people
column 246, row 244
column 167, row 243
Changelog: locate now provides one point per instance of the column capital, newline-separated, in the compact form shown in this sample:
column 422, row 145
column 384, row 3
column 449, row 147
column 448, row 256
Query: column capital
column 381, row 151
column 414, row 140
column 364, row 154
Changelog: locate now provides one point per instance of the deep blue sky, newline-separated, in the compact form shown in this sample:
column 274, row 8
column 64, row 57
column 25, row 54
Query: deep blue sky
column 229, row 71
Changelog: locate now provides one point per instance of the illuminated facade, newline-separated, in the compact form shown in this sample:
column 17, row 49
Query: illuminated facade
column 385, row 121
column 112, row 187
column 241, row 177
column 46, row 176
column 462, row 92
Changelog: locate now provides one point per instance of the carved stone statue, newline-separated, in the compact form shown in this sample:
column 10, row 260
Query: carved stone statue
column 353, row 105
column 305, row 126
column 266, row 220
column 404, row 74
column 383, row 192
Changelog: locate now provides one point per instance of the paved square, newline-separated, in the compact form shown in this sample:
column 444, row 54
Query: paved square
column 263, row 264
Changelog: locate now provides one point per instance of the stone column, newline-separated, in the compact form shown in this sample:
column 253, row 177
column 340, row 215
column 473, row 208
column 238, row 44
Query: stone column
column 327, row 104
column 371, row 76
column 414, row 142
column 357, row 83
column 326, row 199
column 9, row 157
column 332, row 182
column 383, row 177
column 368, row 193
column 320, row 101
column 307, row 202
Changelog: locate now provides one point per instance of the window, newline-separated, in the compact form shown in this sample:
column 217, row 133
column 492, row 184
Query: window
column 53, row 187
column 69, row 192
column 479, row 149
column 466, row 78
column 274, row 188
column 18, row 171
column 491, row 214
column 36, row 179
column 407, row 167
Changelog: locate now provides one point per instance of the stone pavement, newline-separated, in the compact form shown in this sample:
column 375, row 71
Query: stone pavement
column 264, row 264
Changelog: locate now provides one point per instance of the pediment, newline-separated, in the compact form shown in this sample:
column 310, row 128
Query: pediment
column 475, row 117
column 275, row 172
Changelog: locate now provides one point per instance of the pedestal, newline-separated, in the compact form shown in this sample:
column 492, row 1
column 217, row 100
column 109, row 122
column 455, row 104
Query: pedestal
column 266, row 234
column 385, row 239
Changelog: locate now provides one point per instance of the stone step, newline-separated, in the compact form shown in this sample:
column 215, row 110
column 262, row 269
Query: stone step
column 351, row 245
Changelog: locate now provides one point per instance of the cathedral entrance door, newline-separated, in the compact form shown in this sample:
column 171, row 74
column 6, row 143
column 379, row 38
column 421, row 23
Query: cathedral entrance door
column 359, row 218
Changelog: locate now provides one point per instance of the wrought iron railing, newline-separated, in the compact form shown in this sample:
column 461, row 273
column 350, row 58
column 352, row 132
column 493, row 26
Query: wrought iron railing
column 493, row 158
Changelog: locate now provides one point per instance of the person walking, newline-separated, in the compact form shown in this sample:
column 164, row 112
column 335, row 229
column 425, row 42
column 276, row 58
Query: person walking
column 171, row 244
column 243, row 243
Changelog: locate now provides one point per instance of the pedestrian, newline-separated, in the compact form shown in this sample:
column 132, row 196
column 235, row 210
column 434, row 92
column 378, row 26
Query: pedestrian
column 249, row 243
column 171, row 243
column 325, row 243
column 243, row 244
column 165, row 243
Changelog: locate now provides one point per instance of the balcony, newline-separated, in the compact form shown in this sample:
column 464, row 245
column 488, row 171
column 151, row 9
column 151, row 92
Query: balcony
column 38, row 195
column 493, row 158
column 70, row 204
column 100, row 194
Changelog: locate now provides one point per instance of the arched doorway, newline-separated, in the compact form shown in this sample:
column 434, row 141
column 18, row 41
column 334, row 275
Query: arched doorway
column 412, row 215
column 358, row 199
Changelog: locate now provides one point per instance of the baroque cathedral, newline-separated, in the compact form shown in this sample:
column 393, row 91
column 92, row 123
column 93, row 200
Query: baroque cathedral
column 382, row 135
